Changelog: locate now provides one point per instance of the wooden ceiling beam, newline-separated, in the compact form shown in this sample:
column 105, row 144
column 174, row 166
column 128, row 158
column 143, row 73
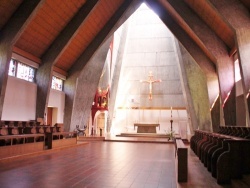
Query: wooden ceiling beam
column 246, row 3
column 44, row 73
column 213, row 19
column 87, row 59
column 64, row 38
column 206, row 65
column 8, row 35
column 214, row 46
column 188, row 42
column 19, row 21
column 109, row 28
column 237, row 15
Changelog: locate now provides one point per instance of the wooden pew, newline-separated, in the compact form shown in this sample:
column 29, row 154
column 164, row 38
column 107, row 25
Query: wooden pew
column 64, row 139
column 22, row 148
column 227, row 157
column 181, row 160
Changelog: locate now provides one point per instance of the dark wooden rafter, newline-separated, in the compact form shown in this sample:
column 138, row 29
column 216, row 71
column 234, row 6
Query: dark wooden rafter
column 200, row 29
column 238, row 16
column 202, row 60
column 209, row 39
column 19, row 20
column 124, row 11
column 8, row 36
column 246, row 3
column 206, row 65
column 104, row 33
column 182, row 23
column 44, row 73
column 64, row 38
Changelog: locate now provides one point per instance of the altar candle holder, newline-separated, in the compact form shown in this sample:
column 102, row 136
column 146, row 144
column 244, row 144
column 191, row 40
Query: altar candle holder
column 171, row 122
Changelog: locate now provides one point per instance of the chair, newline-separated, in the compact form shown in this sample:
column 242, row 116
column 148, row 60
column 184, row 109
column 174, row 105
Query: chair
column 81, row 130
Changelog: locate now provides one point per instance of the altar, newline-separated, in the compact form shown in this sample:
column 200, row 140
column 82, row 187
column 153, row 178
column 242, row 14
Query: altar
column 146, row 127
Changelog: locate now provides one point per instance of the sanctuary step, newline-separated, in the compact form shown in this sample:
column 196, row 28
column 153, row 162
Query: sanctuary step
column 154, row 135
column 91, row 138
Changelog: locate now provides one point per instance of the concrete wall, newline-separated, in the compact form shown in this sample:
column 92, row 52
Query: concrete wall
column 149, row 48
column 20, row 101
column 57, row 101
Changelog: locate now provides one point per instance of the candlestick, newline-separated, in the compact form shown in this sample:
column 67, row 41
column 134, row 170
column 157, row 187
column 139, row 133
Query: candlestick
column 171, row 121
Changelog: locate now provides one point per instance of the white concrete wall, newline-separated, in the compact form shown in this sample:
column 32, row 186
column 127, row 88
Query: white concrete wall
column 149, row 48
column 125, row 118
column 20, row 100
column 57, row 100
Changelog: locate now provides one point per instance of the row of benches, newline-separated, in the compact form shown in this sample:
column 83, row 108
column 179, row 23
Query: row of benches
column 226, row 157
column 29, row 130
column 19, row 139
column 237, row 131
column 15, row 145
column 19, row 123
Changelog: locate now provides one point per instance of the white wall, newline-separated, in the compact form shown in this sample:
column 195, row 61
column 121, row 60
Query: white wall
column 124, row 120
column 57, row 100
column 20, row 100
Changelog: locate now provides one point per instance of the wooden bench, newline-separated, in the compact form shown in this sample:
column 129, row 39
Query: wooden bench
column 227, row 157
column 21, row 148
column 182, row 160
column 63, row 139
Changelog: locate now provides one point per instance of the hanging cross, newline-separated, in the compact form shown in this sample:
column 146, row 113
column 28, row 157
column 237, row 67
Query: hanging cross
column 150, row 81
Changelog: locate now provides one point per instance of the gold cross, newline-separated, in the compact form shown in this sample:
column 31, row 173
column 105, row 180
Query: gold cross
column 150, row 81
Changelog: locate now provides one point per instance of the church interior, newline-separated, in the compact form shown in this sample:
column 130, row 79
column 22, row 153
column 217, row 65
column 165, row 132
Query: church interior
column 125, row 93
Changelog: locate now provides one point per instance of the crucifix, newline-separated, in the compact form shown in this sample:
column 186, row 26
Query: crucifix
column 150, row 81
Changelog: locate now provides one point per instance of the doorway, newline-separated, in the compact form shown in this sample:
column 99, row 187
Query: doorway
column 52, row 116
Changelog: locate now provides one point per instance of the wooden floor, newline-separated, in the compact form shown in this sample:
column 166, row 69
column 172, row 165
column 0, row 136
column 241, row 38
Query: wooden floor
column 105, row 165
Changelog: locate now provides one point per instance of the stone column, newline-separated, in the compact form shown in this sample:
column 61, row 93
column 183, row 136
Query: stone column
column 116, row 74
column 195, row 91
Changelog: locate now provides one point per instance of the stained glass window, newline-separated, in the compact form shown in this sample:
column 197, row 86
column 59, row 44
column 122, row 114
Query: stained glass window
column 57, row 83
column 21, row 71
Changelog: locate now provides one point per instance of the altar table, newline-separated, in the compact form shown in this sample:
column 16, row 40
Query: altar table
column 146, row 127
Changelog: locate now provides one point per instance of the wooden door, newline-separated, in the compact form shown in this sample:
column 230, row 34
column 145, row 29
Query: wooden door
column 49, row 116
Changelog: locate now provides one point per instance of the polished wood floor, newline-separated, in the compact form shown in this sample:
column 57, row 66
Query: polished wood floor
column 117, row 163
column 95, row 165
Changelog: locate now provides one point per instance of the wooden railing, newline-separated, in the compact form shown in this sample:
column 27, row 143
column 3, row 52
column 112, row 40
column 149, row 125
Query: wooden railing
column 181, row 160
column 21, row 144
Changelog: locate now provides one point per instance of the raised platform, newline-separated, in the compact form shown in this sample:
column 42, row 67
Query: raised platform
column 148, row 135
column 91, row 138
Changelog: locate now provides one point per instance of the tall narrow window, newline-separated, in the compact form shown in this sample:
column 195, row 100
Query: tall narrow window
column 237, row 70
column 57, row 83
